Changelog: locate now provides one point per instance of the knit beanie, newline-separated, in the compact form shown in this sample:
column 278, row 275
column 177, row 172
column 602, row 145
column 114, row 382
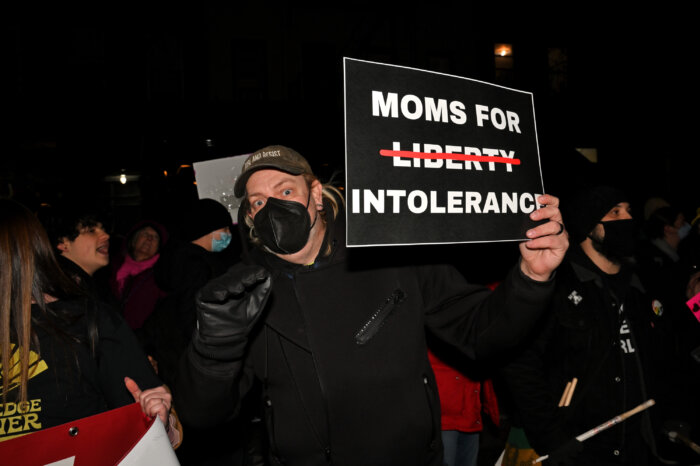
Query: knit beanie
column 587, row 208
column 203, row 217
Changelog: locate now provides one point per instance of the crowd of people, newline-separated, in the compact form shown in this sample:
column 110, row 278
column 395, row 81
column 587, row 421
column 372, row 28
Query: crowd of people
column 270, row 342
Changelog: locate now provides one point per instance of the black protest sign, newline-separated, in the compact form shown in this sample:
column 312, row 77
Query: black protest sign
column 435, row 158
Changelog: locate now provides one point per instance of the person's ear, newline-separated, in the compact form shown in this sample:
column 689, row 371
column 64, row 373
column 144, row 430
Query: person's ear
column 62, row 245
column 317, row 193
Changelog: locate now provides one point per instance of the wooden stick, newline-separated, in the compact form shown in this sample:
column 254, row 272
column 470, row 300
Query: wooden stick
column 606, row 425
column 563, row 395
column 615, row 420
column 571, row 392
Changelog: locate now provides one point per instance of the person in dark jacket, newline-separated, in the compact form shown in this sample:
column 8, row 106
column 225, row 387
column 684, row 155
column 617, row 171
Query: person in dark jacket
column 62, row 352
column 669, row 275
column 188, row 262
column 81, row 244
column 184, row 266
column 606, row 332
column 659, row 263
column 336, row 338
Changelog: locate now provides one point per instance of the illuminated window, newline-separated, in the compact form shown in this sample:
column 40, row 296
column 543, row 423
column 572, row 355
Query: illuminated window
column 503, row 64
column 503, row 55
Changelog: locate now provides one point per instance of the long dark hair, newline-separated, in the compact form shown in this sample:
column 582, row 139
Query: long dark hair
column 29, row 274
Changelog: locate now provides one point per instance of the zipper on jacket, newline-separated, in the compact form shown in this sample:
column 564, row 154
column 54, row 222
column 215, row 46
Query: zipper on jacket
column 377, row 320
column 270, row 422
column 430, row 396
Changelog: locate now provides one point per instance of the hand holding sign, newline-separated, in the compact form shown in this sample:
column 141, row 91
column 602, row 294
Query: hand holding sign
column 154, row 401
column 548, row 242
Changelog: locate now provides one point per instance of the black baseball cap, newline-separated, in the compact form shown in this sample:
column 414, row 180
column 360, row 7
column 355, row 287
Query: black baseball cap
column 271, row 157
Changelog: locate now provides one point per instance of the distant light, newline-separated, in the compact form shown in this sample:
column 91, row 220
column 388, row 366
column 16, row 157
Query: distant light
column 503, row 50
column 165, row 173
column 123, row 177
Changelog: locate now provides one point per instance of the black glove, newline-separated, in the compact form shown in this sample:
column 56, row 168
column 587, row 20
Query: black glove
column 227, row 308
column 565, row 454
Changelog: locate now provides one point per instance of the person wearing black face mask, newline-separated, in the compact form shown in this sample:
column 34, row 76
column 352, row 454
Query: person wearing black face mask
column 283, row 226
column 337, row 337
column 608, row 333
column 617, row 238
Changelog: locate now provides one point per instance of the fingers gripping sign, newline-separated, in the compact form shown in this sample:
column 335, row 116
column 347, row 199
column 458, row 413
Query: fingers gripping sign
column 548, row 242
column 154, row 401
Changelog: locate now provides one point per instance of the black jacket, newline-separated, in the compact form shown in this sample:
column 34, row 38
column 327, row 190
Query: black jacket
column 67, row 380
column 182, row 269
column 91, row 285
column 342, row 356
column 582, row 338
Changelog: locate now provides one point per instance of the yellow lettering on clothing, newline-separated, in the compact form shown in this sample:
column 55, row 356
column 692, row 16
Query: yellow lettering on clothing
column 36, row 367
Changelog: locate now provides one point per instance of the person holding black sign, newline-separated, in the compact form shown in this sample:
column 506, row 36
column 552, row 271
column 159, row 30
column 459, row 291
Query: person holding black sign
column 339, row 343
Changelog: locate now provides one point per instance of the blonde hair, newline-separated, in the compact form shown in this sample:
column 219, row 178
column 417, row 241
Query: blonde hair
column 330, row 195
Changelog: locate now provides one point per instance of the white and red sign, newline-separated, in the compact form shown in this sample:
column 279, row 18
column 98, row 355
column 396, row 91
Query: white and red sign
column 123, row 436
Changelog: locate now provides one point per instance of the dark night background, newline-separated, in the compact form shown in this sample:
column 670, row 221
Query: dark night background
column 92, row 91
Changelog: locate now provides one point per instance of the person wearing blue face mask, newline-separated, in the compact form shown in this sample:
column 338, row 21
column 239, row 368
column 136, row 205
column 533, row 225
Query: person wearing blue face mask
column 197, row 254
column 223, row 240
column 215, row 241
column 660, row 265
column 672, row 273
column 200, row 250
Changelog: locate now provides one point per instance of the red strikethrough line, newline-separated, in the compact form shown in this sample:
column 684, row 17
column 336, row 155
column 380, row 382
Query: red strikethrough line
column 441, row 155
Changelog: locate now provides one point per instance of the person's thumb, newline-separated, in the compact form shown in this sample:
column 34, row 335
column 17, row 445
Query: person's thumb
column 133, row 388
